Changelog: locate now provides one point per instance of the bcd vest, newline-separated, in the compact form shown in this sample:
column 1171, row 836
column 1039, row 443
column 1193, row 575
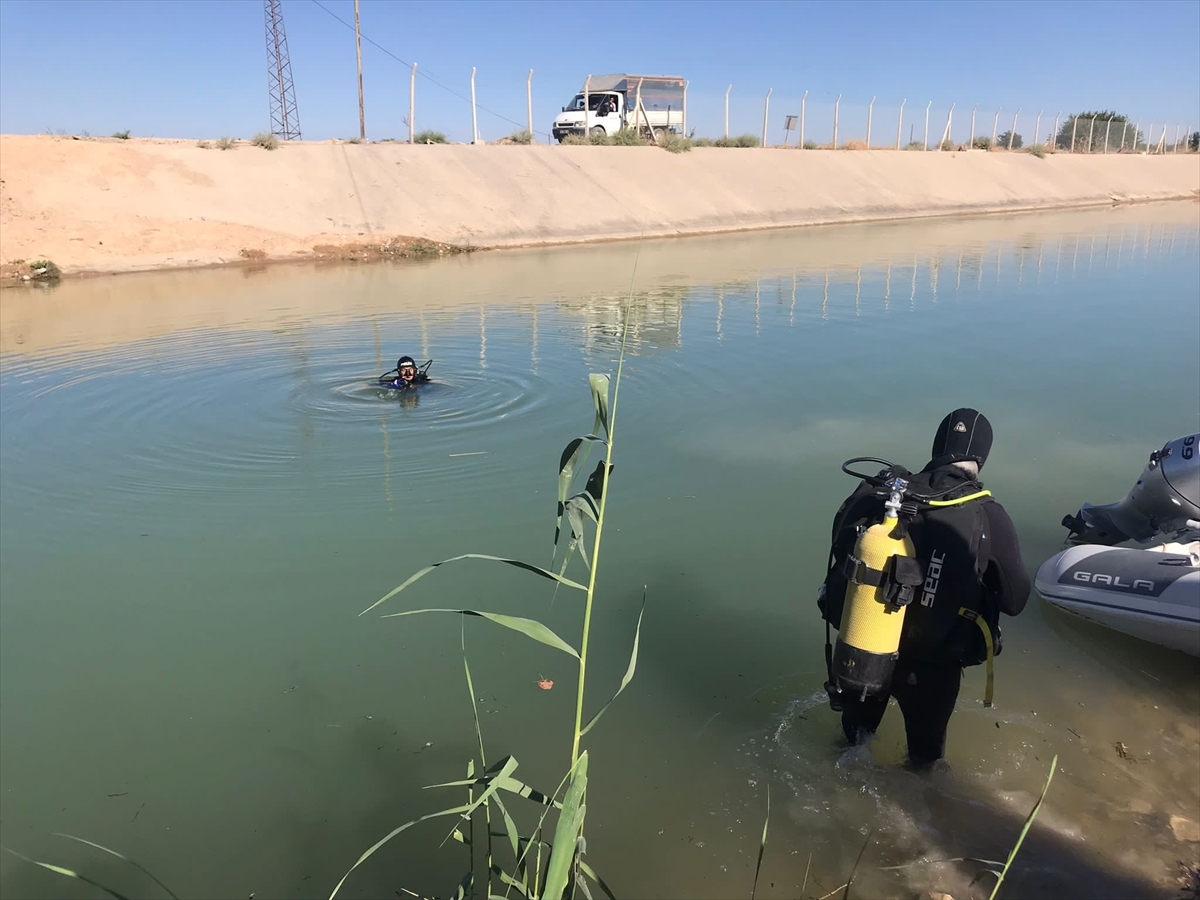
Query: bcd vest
column 939, row 624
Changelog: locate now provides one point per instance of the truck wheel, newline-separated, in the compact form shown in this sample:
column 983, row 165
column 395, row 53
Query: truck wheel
column 659, row 134
column 598, row 131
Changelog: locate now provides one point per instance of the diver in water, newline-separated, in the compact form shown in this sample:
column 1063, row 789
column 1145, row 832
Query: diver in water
column 406, row 375
column 972, row 568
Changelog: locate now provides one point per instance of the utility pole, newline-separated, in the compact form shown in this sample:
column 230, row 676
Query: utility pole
column 362, row 121
column 281, row 92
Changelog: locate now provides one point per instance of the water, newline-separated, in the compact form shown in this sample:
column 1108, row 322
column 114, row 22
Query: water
column 200, row 491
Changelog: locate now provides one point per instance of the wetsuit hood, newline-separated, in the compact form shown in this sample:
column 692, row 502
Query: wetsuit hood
column 964, row 434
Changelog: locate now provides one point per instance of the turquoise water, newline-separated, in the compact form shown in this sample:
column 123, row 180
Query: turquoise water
column 200, row 492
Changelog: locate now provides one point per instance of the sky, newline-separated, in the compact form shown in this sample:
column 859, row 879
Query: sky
column 197, row 68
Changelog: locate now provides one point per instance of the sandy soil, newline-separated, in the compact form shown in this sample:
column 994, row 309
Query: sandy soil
column 95, row 205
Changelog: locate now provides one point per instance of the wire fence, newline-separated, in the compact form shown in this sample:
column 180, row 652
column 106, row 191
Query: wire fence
column 820, row 124
column 809, row 122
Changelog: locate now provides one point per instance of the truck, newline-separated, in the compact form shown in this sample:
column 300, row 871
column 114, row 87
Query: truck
column 650, row 104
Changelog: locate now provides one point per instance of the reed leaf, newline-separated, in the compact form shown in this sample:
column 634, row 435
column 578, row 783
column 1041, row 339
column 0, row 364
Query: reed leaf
column 502, row 768
column 120, row 856
column 509, row 826
column 457, row 810
column 629, row 670
column 70, row 873
column 599, row 384
column 1025, row 829
column 531, row 628
column 567, row 465
column 567, row 831
column 460, row 892
column 762, row 847
column 504, row 877
column 536, row 570
column 591, row 873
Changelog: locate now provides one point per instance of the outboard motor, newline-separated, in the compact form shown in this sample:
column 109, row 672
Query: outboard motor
column 1165, row 499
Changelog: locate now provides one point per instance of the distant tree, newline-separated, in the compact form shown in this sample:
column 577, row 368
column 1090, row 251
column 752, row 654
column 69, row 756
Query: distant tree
column 1086, row 132
column 1017, row 141
column 1194, row 141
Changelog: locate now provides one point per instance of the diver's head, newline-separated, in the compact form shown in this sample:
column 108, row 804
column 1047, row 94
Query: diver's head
column 964, row 436
column 407, row 368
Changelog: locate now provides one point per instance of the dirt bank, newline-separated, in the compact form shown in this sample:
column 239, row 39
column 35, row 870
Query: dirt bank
column 107, row 205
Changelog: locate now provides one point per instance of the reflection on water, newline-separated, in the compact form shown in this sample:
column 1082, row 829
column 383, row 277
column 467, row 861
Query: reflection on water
column 200, row 489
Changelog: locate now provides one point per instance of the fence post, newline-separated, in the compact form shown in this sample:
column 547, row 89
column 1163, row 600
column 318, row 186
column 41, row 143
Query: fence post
column 1012, row 135
column 1037, row 128
column 766, row 110
column 1175, row 146
column 870, row 112
column 946, row 132
column 1149, row 135
column 684, row 126
column 474, row 120
column 1091, row 132
column 996, row 125
column 587, row 90
column 1074, row 128
column 412, row 103
column 727, row 90
column 971, row 142
column 1124, row 131
column 1107, row 131
column 803, row 100
column 1056, row 118
column 641, row 111
column 362, row 122
column 836, row 104
column 900, row 124
column 529, row 105
column 927, row 105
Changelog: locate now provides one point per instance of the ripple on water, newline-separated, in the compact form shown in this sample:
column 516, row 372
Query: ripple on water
column 213, row 413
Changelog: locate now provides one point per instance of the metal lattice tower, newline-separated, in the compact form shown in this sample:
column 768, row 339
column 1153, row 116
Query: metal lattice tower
column 285, row 118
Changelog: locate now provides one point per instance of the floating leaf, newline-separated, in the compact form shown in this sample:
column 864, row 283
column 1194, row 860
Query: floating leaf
column 508, row 562
column 529, row 627
column 566, row 831
column 629, row 670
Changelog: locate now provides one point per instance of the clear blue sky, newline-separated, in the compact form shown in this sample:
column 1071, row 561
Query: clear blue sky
column 197, row 68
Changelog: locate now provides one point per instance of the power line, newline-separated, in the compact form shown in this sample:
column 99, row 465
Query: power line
column 425, row 74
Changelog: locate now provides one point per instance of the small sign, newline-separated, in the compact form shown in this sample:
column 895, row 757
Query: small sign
column 789, row 123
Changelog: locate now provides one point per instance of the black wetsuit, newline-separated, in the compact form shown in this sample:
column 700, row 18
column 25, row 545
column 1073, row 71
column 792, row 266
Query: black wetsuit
column 979, row 566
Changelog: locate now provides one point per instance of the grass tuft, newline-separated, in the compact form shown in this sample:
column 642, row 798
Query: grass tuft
column 1037, row 150
column 121, row 135
column 44, row 270
column 742, row 140
column 429, row 137
column 675, row 143
column 266, row 140
column 628, row 137
column 521, row 137
column 226, row 143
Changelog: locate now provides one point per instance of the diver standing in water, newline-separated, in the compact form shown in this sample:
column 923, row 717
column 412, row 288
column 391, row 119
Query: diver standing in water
column 943, row 563
column 406, row 374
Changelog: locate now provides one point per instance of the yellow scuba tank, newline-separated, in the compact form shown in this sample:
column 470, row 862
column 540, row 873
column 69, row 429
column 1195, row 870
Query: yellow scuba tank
column 882, row 576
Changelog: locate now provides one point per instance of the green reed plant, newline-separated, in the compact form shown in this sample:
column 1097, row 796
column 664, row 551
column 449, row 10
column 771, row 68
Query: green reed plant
column 565, row 868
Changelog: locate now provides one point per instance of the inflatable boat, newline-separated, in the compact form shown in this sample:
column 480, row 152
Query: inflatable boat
column 1147, row 590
